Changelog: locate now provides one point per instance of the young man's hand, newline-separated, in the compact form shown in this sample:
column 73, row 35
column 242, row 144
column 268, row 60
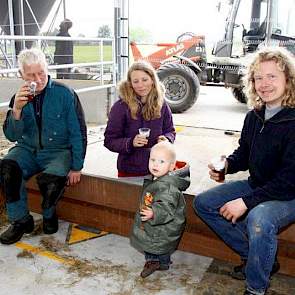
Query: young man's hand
column 233, row 210
column 146, row 214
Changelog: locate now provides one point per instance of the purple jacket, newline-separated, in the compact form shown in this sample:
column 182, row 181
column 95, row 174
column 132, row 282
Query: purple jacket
column 121, row 130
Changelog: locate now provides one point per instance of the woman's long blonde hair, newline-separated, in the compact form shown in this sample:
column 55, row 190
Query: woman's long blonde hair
column 284, row 61
column 154, row 102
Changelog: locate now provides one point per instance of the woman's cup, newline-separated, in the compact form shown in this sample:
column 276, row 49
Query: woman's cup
column 145, row 132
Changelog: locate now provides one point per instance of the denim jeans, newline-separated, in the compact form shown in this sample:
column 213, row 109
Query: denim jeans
column 57, row 163
column 254, row 235
column 164, row 259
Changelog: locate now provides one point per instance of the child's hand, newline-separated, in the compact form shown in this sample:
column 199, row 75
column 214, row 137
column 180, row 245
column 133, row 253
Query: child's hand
column 146, row 214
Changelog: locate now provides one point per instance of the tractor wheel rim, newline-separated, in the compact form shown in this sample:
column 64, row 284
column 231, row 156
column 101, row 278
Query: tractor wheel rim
column 176, row 89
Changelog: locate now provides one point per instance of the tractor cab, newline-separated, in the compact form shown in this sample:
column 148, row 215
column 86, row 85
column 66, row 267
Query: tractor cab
column 247, row 27
column 264, row 22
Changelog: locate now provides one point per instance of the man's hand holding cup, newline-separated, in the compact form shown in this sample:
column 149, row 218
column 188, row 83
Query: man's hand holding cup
column 218, row 167
column 22, row 97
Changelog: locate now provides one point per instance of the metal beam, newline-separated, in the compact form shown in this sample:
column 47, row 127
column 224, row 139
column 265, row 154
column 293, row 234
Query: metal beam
column 110, row 204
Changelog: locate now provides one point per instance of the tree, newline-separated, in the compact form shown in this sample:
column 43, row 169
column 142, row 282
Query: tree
column 139, row 35
column 104, row 32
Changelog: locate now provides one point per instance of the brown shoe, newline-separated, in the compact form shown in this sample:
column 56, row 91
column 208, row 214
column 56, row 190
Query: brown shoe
column 149, row 268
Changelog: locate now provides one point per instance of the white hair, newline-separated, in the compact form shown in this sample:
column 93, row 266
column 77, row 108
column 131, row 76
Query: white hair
column 31, row 56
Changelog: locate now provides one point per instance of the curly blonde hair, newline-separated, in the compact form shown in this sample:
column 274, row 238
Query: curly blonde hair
column 154, row 102
column 284, row 61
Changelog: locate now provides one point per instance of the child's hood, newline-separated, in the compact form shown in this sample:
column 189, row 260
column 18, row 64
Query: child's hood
column 179, row 177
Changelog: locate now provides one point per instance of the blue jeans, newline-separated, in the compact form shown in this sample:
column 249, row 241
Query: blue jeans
column 54, row 162
column 164, row 259
column 254, row 236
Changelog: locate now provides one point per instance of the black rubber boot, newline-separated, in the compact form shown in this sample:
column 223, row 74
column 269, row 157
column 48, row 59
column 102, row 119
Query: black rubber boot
column 51, row 187
column 16, row 230
column 238, row 272
column 50, row 225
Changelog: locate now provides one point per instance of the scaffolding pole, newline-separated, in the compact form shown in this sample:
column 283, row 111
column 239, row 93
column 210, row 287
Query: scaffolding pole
column 11, row 26
column 121, row 30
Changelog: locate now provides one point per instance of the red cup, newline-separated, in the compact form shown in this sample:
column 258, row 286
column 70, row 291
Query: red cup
column 219, row 167
column 32, row 86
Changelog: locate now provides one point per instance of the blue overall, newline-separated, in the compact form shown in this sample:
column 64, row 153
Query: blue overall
column 56, row 147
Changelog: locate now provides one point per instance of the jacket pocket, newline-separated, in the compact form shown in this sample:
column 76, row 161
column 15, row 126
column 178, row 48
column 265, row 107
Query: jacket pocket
column 56, row 124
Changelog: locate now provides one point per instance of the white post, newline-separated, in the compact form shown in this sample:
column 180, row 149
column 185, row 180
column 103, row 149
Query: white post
column 64, row 8
column 11, row 25
column 121, row 25
column 101, row 60
column 22, row 19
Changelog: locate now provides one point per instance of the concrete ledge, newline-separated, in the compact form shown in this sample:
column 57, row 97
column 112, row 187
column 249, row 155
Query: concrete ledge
column 110, row 204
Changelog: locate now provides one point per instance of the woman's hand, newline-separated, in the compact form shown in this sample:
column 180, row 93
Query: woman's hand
column 162, row 138
column 139, row 141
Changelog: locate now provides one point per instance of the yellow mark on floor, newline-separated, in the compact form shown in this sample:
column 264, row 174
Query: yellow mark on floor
column 44, row 253
column 179, row 128
column 77, row 234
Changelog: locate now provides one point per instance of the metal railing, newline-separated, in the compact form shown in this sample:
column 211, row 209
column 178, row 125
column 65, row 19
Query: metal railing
column 101, row 63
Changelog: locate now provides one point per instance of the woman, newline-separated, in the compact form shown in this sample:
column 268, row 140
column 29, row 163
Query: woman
column 248, row 214
column 141, row 104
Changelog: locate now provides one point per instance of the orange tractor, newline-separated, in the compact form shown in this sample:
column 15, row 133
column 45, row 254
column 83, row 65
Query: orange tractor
column 183, row 66
column 178, row 66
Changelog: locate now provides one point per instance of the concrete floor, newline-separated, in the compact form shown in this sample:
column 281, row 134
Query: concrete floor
column 42, row 264
column 48, row 265
column 105, row 265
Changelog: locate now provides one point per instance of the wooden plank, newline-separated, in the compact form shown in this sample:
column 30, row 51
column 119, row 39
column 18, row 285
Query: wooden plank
column 110, row 204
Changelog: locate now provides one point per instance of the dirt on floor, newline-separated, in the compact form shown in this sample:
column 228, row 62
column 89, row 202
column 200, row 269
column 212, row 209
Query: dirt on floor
column 216, row 280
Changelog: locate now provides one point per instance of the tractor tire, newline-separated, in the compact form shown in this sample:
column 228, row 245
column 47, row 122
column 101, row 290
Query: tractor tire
column 182, row 86
column 239, row 95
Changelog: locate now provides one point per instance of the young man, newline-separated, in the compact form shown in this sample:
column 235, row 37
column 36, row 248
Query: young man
column 248, row 214
column 50, row 134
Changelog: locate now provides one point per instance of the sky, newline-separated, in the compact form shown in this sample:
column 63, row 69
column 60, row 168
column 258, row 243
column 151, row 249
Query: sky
column 165, row 20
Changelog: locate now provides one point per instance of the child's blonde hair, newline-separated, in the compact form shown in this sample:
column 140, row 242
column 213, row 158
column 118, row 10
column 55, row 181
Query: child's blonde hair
column 168, row 147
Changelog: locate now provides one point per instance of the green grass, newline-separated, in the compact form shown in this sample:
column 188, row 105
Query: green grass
column 89, row 53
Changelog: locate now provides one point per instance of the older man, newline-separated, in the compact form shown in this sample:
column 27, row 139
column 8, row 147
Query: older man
column 51, row 139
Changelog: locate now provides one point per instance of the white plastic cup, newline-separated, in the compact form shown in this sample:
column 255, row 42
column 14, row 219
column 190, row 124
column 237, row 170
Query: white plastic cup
column 144, row 132
column 219, row 167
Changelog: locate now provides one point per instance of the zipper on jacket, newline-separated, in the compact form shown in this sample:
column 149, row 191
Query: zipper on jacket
column 39, row 106
column 262, row 121
column 262, row 127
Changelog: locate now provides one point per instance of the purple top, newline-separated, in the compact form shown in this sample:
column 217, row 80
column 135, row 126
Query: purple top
column 121, row 130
